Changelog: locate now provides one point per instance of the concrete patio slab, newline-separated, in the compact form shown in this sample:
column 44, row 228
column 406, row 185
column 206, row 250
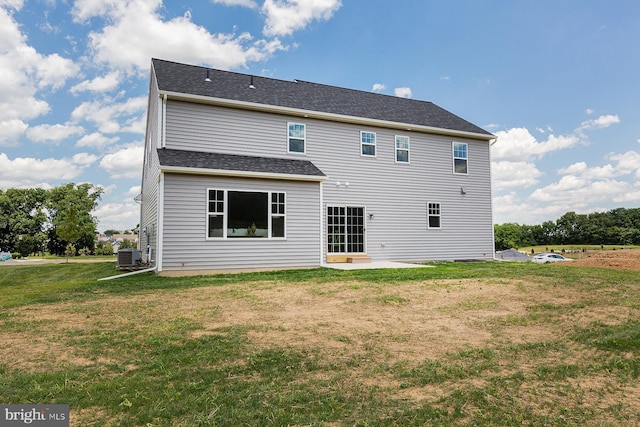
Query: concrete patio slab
column 373, row 265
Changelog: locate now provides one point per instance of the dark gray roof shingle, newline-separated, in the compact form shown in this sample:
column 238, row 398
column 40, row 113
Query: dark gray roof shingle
column 190, row 79
column 233, row 162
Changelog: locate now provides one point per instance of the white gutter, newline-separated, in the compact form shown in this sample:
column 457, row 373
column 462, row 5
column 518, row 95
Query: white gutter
column 127, row 274
column 323, row 116
column 242, row 174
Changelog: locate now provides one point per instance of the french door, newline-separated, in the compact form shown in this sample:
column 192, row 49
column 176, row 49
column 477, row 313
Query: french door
column 345, row 230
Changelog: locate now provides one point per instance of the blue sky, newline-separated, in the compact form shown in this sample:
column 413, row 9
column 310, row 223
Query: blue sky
column 557, row 81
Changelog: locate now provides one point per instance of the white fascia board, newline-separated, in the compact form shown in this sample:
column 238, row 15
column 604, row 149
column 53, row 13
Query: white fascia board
column 323, row 116
column 242, row 174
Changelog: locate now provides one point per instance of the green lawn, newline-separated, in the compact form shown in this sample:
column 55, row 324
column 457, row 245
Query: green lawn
column 459, row 344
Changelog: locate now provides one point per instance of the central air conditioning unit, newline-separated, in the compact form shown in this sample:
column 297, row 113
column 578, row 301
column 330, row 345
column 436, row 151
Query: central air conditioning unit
column 129, row 258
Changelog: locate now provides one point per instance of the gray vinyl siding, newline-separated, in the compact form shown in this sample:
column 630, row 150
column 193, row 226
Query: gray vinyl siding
column 185, row 244
column 150, row 174
column 395, row 193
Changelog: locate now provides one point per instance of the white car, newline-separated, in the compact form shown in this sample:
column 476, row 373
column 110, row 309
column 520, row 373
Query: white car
column 546, row 258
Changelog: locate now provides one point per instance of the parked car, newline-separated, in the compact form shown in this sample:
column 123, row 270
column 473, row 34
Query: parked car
column 546, row 258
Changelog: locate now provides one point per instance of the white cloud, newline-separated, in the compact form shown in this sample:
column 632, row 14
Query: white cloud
column 600, row 123
column 139, row 26
column 134, row 191
column 99, row 84
column 28, row 172
column 517, row 144
column 575, row 193
column 110, row 118
column 589, row 111
column 244, row 3
column 124, row 163
column 628, row 162
column 283, row 17
column 97, row 140
column 403, row 92
column 55, row 133
column 11, row 130
column 511, row 208
column 23, row 72
column 118, row 216
column 507, row 175
column 378, row 87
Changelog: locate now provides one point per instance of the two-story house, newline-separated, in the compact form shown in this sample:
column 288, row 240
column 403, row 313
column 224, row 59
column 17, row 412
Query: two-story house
column 247, row 172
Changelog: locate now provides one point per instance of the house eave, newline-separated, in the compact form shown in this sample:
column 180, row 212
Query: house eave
column 241, row 174
column 244, row 105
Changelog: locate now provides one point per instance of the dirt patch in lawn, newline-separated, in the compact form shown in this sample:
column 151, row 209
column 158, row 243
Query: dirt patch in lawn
column 410, row 322
column 626, row 259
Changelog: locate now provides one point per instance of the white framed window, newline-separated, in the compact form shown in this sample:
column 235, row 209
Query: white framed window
column 433, row 215
column 367, row 144
column 277, row 215
column 402, row 149
column 460, row 158
column 296, row 139
column 233, row 214
column 215, row 213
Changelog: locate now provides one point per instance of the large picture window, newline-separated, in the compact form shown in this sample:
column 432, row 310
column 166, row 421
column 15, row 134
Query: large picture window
column 460, row 158
column 297, row 137
column 245, row 214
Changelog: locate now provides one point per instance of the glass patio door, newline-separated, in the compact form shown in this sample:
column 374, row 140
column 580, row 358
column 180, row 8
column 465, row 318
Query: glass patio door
column 345, row 230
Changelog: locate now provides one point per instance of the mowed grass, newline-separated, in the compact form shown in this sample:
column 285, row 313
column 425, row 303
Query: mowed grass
column 458, row 344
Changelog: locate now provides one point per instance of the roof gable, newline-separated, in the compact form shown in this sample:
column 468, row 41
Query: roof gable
column 312, row 97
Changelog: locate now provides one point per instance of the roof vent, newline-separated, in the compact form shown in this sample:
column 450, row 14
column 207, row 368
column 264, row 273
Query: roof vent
column 207, row 79
column 251, row 86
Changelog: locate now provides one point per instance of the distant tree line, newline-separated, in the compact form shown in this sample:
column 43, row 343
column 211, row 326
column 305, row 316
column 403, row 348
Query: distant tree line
column 58, row 220
column 616, row 227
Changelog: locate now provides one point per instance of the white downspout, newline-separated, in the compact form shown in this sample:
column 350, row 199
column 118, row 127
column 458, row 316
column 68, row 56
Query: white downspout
column 163, row 137
column 131, row 273
column 321, row 225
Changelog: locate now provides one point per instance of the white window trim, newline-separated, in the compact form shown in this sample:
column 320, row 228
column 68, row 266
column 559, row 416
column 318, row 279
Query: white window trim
column 396, row 149
column 439, row 215
column 304, row 139
column 454, row 158
column 362, row 144
column 226, row 216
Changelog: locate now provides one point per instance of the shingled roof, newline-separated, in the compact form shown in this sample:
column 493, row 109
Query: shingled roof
column 313, row 97
column 236, row 163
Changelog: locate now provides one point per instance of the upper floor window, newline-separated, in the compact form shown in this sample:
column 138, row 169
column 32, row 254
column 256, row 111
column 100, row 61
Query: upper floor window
column 296, row 138
column 368, row 144
column 402, row 149
column 460, row 158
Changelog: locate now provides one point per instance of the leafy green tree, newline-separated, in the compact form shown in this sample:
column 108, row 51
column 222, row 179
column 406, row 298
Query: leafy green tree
column 507, row 236
column 22, row 213
column 126, row 244
column 70, row 208
column 111, row 232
